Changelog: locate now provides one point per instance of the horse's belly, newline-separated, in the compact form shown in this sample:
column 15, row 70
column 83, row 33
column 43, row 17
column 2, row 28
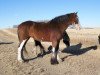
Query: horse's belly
column 41, row 34
column 42, row 37
column 45, row 38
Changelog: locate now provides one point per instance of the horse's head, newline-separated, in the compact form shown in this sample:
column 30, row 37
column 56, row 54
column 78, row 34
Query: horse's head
column 74, row 20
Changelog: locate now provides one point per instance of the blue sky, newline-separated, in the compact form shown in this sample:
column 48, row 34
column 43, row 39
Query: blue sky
column 14, row 12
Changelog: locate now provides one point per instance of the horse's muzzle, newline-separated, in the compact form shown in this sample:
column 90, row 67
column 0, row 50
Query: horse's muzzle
column 77, row 26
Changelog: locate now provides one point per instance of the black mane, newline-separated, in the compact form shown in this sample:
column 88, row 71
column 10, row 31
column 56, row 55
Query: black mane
column 59, row 19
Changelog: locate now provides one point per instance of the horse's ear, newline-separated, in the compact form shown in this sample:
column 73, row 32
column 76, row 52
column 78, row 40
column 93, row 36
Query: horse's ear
column 76, row 12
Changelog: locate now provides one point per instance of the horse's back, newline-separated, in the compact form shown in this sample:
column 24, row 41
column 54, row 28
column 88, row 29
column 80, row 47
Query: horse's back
column 25, row 24
column 23, row 29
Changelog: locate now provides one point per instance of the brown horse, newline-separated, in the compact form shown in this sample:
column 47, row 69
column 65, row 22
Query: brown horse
column 51, row 31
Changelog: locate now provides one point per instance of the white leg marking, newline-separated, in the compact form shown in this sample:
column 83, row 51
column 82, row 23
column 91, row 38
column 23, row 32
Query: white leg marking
column 58, row 58
column 19, row 51
column 53, row 50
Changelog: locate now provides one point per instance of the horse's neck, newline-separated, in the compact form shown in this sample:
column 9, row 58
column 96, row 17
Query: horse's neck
column 63, row 27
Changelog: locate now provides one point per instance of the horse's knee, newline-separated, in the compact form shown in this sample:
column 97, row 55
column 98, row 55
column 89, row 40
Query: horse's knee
column 66, row 42
column 50, row 48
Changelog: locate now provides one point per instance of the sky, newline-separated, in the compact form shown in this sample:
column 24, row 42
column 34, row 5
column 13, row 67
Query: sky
column 14, row 12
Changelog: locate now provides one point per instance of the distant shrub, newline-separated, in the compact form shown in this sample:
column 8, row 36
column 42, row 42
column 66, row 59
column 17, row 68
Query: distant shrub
column 15, row 26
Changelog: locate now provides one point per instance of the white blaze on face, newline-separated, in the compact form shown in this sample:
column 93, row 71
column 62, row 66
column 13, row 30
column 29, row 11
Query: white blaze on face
column 77, row 26
column 19, row 50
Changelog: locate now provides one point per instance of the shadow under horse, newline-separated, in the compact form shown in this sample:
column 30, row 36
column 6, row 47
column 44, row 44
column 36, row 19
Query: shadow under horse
column 1, row 43
column 77, row 50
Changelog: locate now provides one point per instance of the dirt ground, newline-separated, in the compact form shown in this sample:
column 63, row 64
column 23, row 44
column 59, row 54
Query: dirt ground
column 81, row 58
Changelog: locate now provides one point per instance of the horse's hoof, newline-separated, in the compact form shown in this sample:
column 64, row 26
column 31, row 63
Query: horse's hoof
column 59, row 59
column 44, row 53
column 50, row 48
column 40, row 55
column 54, row 61
column 21, row 60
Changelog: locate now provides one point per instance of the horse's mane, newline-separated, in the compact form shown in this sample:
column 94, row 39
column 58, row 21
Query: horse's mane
column 59, row 19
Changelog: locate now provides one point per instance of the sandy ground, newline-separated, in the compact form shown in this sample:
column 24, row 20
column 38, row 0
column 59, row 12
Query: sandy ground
column 81, row 58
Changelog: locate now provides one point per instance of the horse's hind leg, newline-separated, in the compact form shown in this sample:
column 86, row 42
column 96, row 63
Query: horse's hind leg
column 37, row 43
column 20, row 50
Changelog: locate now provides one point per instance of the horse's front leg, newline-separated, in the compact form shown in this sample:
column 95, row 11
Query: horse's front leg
column 55, row 59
